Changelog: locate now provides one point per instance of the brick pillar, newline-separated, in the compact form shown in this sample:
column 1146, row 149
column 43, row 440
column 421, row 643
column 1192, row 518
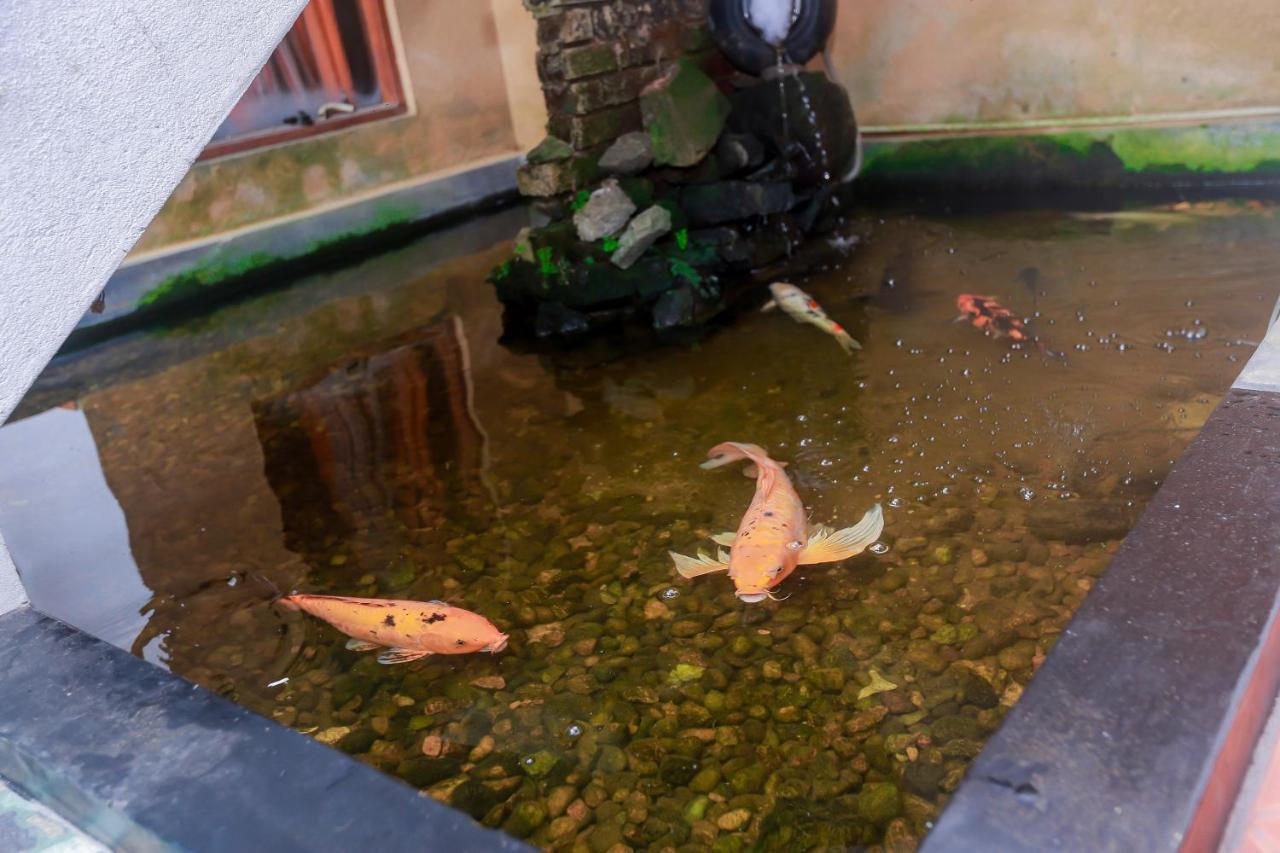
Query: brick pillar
column 594, row 57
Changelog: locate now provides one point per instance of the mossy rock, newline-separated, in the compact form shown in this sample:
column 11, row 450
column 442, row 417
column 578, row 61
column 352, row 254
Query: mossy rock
column 684, row 113
column 879, row 802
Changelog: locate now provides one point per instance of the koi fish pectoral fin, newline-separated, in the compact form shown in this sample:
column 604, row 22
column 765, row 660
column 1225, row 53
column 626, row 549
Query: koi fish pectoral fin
column 961, row 318
column 393, row 656
column 769, row 306
column 703, row 564
column 827, row 546
column 727, row 538
column 361, row 646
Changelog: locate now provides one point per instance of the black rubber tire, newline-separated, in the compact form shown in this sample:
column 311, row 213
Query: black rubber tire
column 745, row 48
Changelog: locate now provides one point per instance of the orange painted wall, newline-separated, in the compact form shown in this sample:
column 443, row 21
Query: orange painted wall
column 914, row 62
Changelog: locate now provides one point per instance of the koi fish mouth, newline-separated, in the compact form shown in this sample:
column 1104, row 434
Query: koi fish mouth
column 755, row 596
column 497, row 645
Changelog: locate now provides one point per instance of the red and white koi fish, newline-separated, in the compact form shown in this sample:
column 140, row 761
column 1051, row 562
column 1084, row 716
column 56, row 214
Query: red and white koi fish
column 773, row 537
column 996, row 320
column 409, row 629
column 803, row 308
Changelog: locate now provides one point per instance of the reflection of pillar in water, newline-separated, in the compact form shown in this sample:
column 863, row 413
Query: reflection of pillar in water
column 386, row 440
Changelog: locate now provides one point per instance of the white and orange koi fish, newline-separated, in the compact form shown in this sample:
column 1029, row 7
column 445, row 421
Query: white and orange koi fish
column 803, row 308
column 773, row 537
column 409, row 629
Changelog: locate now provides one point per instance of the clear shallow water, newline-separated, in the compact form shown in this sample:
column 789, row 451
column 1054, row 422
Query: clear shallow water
column 365, row 434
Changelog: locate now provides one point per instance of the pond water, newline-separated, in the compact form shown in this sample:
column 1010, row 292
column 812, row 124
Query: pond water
column 365, row 433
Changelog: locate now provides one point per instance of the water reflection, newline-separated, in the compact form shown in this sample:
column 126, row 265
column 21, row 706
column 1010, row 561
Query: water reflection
column 65, row 529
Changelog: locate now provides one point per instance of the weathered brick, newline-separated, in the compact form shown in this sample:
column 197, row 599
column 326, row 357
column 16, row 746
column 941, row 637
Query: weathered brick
column 550, row 68
column 606, row 125
column 542, row 180
column 587, row 96
column 564, row 30
column 588, row 60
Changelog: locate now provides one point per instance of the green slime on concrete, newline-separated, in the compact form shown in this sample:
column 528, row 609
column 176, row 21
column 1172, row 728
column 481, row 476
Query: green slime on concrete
column 212, row 271
column 1117, row 157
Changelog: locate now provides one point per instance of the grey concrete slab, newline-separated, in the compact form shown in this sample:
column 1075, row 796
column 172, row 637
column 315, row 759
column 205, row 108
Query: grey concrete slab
column 111, row 741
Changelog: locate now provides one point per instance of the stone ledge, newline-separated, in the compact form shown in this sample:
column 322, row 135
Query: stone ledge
column 97, row 729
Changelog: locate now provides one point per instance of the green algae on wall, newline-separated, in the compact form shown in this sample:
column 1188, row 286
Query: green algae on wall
column 1086, row 157
column 213, row 270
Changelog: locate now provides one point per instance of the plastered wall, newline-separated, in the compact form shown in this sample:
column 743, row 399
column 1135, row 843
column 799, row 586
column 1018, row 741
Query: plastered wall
column 469, row 81
column 911, row 63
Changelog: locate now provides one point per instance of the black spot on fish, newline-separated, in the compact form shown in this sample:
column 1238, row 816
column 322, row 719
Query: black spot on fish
column 461, row 642
column 390, row 621
column 768, row 513
column 433, row 618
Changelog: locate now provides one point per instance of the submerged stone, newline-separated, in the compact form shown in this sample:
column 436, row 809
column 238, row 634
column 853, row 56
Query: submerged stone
column 605, row 213
column 683, row 113
column 879, row 802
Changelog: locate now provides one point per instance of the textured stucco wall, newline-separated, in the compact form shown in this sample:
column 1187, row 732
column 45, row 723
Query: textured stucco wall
column 453, row 58
column 129, row 93
column 955, row 62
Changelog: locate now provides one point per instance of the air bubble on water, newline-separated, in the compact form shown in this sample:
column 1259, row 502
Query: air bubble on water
column 895, row 502
column 826, row 463
column 1065, row 496
column 1026, row 494
column 802, row 418
column 878, row 548
column 670, row 593
column 574, row 730
column 893, row 439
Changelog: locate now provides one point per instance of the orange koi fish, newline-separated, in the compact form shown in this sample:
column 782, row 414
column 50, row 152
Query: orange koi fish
column 994, row 319
column 410, row 629
column 803, row 308
column 773, row 537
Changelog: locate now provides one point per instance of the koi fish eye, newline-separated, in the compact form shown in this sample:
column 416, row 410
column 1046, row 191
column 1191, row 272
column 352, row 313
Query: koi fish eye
column 460, row 642
column 795, row 544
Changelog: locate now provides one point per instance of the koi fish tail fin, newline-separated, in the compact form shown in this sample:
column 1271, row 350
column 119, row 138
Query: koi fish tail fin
column 277, row 597
column 828, row 546
column 1044, row 349
column 727, row 452
column 845, row 340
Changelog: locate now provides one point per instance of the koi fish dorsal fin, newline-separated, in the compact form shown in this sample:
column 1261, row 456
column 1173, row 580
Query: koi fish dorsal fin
column 361, row 646
column 727, row 538
column 826, row 546
column 703, row 564
column 393, row 656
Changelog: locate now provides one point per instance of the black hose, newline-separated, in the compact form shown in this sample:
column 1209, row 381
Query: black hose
column 747, row 49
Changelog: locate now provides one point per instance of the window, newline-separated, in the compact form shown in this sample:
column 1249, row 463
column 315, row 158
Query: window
column 335, row 68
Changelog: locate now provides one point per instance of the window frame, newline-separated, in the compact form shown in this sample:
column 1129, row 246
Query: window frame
column 383, row 47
